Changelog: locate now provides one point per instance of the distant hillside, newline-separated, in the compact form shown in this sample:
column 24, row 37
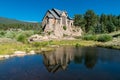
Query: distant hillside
column 6, row 24
column 9, row 21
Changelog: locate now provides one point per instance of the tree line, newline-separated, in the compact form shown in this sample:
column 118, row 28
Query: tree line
column 90, row 22
column 22, row 26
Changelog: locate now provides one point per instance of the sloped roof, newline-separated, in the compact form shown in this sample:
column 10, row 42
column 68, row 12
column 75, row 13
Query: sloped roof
column 58, row 11
column 55, row 13
column 50, row 15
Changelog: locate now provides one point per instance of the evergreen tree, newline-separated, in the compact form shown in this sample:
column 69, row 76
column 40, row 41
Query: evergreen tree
column 78, row 20
column 90, row 19
column 110, row 27
column 118, row 23
column 103, row 22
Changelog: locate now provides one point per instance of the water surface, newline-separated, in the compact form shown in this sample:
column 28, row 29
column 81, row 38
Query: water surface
column 64, row 63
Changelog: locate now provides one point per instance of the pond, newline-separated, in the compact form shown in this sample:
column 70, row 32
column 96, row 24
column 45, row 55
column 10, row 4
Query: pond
column 64, row 63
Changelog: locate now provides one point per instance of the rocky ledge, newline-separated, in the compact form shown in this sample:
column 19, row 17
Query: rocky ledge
column 38, row 38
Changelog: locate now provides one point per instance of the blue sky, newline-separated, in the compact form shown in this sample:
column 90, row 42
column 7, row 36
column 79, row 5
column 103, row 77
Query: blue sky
column 34, row 10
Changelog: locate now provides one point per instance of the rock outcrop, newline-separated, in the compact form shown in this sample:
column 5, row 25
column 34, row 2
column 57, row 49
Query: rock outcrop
column 57, row 34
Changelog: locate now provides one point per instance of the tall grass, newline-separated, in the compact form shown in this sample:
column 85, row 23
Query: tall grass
column 10, row 48
column 90, row 37
column 40, row 44
column 104, row 38
column 100, row 38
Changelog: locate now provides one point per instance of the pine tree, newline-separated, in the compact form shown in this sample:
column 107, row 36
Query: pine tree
column 90, row 19
column 78, row 20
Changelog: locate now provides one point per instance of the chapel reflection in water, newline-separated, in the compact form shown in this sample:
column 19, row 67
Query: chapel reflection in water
column 60, row 58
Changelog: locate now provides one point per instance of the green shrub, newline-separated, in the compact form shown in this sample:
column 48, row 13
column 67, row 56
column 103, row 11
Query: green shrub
column 90, row 37
column 27, row 33
column 49, row 33
column 104, row 38
column 23, row 35
column 77, row 45
column 2, row 33
column 10, row 34
column 64, row 27
column 22, row 38
column 50, row 42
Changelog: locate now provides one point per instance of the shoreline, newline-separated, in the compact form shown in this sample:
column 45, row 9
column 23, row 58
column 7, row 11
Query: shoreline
column 38, row 47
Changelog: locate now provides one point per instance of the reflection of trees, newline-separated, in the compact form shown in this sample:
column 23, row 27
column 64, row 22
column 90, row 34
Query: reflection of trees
column 58, row 59
column 90, row 58
column 86, row 55
column 78, row 57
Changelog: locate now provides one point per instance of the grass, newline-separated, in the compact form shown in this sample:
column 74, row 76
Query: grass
column 73, row 43
column 99, row 38
column 9, row 46
column 115, row 34
column 104, row 38
column 114, row 44
column 90, row 37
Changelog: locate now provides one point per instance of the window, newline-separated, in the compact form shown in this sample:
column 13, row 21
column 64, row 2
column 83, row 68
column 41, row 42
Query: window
column 64, row 20
column 58, row 21
column 47, row 21
column 71, row 24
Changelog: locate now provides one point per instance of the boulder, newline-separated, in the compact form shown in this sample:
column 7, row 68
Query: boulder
column 19, row 53
column 53, row 37
column 12, row 55
column 31, row 52
column 35, row 37
column 1, row 57
column 6, row 56
column 45, row 38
